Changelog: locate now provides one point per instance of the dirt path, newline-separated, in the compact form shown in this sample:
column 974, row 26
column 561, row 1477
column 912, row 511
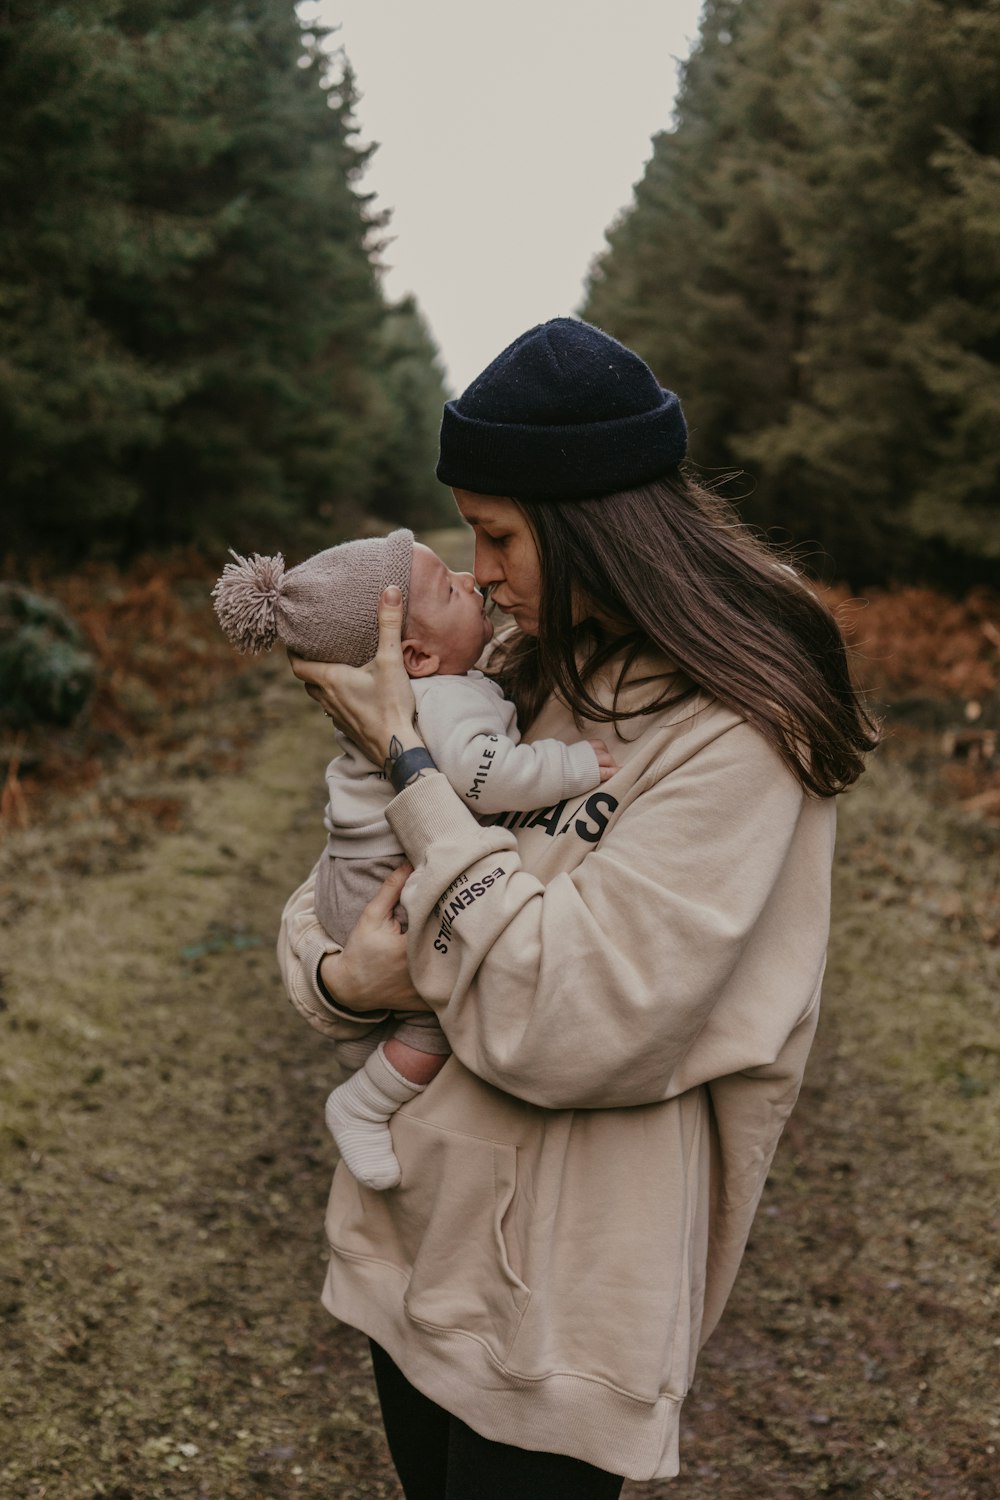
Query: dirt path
column 164, row 1168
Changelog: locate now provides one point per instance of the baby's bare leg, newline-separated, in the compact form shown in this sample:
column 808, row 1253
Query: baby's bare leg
column 415, row 1066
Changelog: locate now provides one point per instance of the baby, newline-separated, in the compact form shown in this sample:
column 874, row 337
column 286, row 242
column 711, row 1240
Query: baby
column 326, row 610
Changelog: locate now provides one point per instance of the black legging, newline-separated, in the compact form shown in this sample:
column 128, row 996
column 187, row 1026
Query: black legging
column 438, row 1458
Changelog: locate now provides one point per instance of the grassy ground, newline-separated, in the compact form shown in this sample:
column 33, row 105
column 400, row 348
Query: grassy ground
column 164, row 1163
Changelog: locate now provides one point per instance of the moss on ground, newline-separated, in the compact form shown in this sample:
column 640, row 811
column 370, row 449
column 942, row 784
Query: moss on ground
column 164, row 1167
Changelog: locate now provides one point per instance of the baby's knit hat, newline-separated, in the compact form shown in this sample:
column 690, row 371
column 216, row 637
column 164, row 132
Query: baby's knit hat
column 326, row 609
column 565, row 412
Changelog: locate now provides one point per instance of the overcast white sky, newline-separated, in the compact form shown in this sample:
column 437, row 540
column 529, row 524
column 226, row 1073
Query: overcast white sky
column 510, row 135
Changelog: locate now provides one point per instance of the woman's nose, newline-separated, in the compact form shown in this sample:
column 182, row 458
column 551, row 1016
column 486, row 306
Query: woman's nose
column 487, row 571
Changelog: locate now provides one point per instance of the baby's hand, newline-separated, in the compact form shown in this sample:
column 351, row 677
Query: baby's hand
column 604, row 760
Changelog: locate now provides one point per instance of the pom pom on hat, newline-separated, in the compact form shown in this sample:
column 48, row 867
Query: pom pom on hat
column 246, row 600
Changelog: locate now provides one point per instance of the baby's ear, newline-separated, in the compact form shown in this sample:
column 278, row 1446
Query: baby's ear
column 417, row 661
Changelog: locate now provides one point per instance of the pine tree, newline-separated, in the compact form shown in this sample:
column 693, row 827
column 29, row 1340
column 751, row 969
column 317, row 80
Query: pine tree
column 954, row 347
column 893, row 220
column 408, row 419
column 813, row 260
column 73, row 397
column 698, row 275
column 192, row 321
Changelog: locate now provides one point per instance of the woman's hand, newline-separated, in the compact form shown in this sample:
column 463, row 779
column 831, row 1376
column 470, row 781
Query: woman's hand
column 372, row 973
column 373, row 705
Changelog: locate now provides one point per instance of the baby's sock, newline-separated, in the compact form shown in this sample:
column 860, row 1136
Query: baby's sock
column 358, row 1115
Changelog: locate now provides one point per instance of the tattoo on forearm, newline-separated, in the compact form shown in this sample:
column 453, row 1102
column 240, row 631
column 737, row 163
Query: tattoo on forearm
column 395, row 751
column 415, row 776
column 407, row 766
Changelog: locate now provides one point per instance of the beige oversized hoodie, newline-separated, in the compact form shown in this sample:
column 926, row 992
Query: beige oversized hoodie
column 630, row 983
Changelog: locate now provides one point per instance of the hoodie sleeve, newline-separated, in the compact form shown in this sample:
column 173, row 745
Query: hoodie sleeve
column 687, row 946
column 302, row 945
column 474, row 742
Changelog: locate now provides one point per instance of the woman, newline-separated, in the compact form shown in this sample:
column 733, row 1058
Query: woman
column 629, row 983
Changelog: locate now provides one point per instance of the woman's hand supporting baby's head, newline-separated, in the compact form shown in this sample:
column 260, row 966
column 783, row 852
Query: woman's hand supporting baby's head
column 373, row 705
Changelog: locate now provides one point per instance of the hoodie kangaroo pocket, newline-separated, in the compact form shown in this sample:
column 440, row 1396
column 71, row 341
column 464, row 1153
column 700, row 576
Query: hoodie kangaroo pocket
column 442, row 1228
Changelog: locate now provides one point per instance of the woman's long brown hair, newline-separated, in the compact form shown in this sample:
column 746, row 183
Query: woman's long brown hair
column 674, row 563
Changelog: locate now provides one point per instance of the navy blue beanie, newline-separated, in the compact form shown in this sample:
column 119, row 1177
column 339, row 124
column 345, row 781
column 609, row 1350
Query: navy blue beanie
column 564, row 413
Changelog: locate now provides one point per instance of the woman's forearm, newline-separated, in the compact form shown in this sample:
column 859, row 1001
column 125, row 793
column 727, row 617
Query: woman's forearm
column 405, row 764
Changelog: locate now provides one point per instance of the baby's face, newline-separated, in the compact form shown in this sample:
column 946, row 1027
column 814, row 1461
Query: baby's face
column 446, row 624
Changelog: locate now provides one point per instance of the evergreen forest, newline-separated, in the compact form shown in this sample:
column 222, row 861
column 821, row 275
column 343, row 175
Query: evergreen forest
column 812, row 259
column 195, row 345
